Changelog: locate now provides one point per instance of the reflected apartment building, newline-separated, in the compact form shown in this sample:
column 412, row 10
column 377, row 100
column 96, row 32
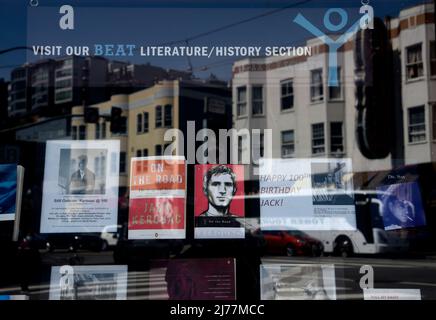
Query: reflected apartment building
column 149, row 113
column 309, row 119
column 51, row 87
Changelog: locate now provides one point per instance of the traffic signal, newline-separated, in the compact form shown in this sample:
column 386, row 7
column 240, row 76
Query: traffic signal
column 91, row 115
column 374, row 91
column 116, row 119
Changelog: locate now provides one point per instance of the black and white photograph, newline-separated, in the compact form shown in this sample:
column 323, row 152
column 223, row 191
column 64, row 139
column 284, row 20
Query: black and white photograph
column 297, row 282
column 83, row 171
column 332, row 183
column 80, row 189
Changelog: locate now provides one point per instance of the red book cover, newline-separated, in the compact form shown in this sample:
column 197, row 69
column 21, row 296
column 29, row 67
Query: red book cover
column 157, row 198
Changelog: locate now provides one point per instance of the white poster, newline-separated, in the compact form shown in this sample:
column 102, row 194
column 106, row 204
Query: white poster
column 80, row 186
column 392, row 294
column 306, row 194
column 88, row 283
column 297, row 282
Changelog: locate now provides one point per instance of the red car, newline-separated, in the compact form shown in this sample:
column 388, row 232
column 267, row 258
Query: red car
column 291, row 243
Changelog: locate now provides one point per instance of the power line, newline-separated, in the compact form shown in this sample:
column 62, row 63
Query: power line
column 234, row 24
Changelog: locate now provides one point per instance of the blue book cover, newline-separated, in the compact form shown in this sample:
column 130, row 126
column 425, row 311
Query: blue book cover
column 8, row 191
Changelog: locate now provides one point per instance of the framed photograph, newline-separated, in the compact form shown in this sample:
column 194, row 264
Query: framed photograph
column 80, row 186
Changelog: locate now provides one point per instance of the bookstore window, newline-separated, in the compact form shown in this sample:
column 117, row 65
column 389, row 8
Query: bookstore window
column 316, row 86
column 241, row 103
column 414, row 63
column 257, row 100
column 318, row 138
column 288, row 143
column 287, row 95
column 416, row 127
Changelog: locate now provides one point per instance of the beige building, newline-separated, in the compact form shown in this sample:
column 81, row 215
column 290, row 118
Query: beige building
column 148, row 113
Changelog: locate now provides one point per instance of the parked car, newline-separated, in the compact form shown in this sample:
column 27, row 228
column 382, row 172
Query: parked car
column 290, row 243
column 110, row 236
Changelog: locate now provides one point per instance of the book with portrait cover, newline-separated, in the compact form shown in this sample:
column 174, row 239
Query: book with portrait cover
column 157, row 198
column 219, row 201
column 192, row 279
column 11, row 186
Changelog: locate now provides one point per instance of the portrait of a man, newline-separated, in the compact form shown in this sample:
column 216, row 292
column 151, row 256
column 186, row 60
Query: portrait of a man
column 219, row 187
column 83, row 180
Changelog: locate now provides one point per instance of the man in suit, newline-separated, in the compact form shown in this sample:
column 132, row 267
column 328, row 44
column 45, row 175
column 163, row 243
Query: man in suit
column 83, row 180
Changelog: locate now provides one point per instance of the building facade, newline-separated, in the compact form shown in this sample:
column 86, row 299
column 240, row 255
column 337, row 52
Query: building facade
column 309, row 119
column 149, row 113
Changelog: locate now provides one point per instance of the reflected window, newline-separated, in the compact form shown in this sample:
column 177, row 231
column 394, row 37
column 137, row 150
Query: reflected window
column 287, row 95
column 139, row 123
column 122, row 162
column 74, row 132
column 158, row 150
column 318, row 139
column 288, row 143
column 97, row 131
column 414, row 64
column 158, row 116
column 335, row 93
column 241, row 101
column 82, row 132
column 417, row 124
column 433, row 58
column 168, row 119
column 145, row 128
column 336, row 137
column 433, row 108
column 103, row 130
column 316, row 86
column 257, row 100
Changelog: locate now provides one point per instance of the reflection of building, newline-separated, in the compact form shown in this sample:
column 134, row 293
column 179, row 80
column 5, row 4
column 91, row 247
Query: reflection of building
column 19, row 91
column 3, row 100
column 50, row 87
column 41, row 87
column 309, row 119
column 149, row 113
